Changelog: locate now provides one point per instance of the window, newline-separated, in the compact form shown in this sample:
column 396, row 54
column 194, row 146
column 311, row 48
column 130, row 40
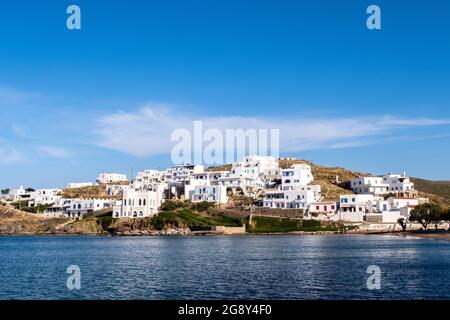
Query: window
column 140, row 202
column 317, row 208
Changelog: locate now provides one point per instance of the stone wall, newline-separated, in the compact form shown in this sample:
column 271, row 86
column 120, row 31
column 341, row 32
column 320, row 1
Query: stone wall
column 243, row 212
column 230, row 230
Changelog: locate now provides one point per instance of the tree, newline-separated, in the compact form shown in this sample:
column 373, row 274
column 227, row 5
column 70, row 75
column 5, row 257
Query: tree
column 427, row 213
column 29, row 190
column 5, row 191
column 402, row 223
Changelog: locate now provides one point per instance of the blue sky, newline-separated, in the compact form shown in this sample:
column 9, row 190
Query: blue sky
column 73, row 103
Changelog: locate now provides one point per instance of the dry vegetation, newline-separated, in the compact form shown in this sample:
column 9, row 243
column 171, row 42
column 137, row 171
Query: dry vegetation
column 87, row 192
column 437, row 191
column 14, row 221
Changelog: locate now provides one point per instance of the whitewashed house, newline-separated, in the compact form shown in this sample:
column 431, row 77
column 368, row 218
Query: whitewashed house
column 182, row 173
column 82, row 207
column 211, row 178
column 369, row 185
column 251, row 174
column 148, row 177
column 295, row 192
column 399, row 184
column 107, row 177
column 244, row 184
column 400, row 202
column 59, row 208
column 324, row 207
column 290, row 199
column 297, row 175
column 139, row 203
column 354, row 207
column 44, row 197
column 210, row 193
column 115, row 189
column 19, row 194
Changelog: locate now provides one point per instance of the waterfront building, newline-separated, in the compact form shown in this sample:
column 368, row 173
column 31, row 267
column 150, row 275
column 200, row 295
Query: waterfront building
column 138, row 203
column 354, row 207
column 79, row 207
column 325, row 207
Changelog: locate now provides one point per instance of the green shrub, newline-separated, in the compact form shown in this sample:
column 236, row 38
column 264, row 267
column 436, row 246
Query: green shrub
column 170, row 205
column 202, row 206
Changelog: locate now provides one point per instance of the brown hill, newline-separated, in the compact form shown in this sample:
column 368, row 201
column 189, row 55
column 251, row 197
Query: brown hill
column 335, row 181
column 86, row 192
column 14, row 221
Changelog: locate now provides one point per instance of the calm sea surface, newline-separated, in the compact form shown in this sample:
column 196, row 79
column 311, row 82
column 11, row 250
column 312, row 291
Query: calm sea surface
column 244, row 267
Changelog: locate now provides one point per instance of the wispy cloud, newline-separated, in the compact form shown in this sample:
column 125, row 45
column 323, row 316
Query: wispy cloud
column 19, row 130
column 11, row 96
column 10, row 155
column 55, row 152
column 147, row 131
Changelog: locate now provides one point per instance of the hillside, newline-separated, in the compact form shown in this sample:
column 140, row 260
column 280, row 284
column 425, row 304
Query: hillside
column 437, row 191
column 14, row 221
column 98, row 191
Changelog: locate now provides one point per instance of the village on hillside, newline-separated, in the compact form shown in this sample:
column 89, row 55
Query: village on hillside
column 270, row 188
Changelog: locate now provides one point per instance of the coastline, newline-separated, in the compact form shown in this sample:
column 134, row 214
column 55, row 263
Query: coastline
column 428, row 234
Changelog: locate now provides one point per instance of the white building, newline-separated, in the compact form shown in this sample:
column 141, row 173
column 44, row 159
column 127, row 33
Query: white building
column 115, row 189
column 292, row 199
column 59, row 208
column 262, row 169
column 19, row 194
column 399, row 184
column 106, row 177
column 323, row 207
column 210, row 193
column 297, row 175
column 369, row 185
column 390, row 183
column 244, row 184
column 354, row 207
column 148, row 177
column 44, row 197
column 400, row 202
column 81, row 207
column 139, row 203
column 182, row 173
column 294, row 191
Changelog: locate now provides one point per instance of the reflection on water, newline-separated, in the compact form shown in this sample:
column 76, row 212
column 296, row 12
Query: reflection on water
column 245, row 267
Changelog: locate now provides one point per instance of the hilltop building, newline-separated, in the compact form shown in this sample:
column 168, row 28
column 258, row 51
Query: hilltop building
column 107, row 177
